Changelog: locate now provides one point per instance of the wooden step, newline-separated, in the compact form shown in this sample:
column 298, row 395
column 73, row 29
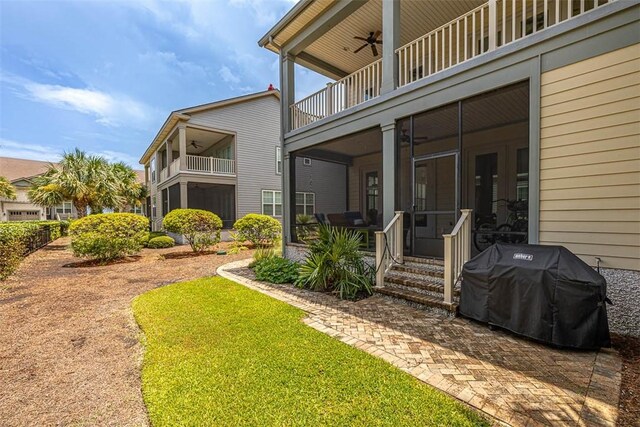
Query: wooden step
column 419, row 260
column 418, row 298
column 428, row 283
column 421, row 269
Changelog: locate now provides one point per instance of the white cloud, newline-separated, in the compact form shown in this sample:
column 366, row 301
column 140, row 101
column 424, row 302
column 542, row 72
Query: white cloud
column 108, row 109
column 21, row 150
column 228, row 75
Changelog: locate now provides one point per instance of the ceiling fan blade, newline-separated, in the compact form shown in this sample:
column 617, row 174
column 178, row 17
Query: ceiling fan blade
column 374, row 50
column 360, row 38
column 376, row 34
column 361, row 47
column 378, row 41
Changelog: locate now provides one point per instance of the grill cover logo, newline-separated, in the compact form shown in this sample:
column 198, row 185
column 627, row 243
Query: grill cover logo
column 523, row 257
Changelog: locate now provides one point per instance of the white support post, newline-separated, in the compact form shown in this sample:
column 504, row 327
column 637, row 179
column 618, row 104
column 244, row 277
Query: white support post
column 493, row 25
column 388, row 171
column 466, row 236
column 380, row 267
column 167, row 145
column 328, row 99
column 391, row 37
column 182, row 147
column 184, row 195
column 399, row 256
column 448, row 268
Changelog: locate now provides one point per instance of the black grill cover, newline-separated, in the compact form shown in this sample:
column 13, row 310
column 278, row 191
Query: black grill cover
column 542, row 292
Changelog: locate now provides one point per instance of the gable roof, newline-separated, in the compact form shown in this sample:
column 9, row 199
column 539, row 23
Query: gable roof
column 14, row 169
column 185, row 114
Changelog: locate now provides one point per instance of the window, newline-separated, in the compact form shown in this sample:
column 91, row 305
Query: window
column 136, row 210
column 153, row 170
column 272, row 202
column 165, row 201
column 306, row 161
column 64, row 208
column 305, row 203
column 371, row 180
column 278, row 160
column 153, row 207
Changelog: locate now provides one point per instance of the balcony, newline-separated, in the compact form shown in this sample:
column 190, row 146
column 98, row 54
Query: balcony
column 485, row 28
column 201, row 165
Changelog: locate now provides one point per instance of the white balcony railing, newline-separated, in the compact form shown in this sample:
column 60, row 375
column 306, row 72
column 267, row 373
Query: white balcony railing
column 163, row 174
column 210, row 165
column 347, row 92
column 174, row 167
column 389, row 246
column 491, row 25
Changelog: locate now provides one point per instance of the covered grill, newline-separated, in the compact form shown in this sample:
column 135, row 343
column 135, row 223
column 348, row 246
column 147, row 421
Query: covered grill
column 542, row 292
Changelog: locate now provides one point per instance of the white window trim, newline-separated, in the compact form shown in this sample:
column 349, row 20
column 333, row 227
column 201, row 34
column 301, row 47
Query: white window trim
column 305, row 205
column 273, row 203
column 279, row 160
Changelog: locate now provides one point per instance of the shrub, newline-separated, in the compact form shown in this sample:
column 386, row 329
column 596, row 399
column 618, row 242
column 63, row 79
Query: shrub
column 150, row 235
column 336, row 264
column 200, row 228
column 161, row 242
column 261, row 230
column 108, row 236
column 14, row 238
column 276, row 269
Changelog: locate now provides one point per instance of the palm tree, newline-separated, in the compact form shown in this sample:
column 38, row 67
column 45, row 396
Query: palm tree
column 7, row 191
column 87, row 181
column 131, row 192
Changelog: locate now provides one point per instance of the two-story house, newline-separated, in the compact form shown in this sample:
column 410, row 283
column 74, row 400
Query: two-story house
column 473, row 121
column 225, row 157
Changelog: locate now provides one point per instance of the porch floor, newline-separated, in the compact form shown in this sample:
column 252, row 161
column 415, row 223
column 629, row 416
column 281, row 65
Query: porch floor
column 513, row 380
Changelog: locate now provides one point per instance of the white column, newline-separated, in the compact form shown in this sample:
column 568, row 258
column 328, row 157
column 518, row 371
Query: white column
column 391, row 38
column 388, row 172
column 169, row 154
column 182, row 147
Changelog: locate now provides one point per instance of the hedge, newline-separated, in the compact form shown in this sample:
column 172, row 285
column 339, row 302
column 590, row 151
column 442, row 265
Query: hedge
column 108, row 236
column 18, row 239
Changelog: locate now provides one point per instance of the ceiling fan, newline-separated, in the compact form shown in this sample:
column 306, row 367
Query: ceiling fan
column 405, row 138
column 195, row 145
column 372, row 41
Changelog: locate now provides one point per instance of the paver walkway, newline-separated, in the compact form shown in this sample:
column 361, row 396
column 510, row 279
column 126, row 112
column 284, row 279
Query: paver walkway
column 516, row 381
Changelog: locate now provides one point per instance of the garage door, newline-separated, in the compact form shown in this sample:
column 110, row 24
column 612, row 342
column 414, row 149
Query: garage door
column 24, row 215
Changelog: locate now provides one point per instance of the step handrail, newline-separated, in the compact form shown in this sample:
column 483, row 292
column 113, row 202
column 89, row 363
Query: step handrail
column 389, row 246
column 457, row 251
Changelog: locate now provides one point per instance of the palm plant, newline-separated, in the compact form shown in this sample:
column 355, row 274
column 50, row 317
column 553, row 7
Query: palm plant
column 85, row 180
column 7, row 190
column 132, row 193
column 336, row 264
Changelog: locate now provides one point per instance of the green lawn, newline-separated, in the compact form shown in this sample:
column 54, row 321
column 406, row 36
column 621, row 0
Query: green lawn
column 218, row 353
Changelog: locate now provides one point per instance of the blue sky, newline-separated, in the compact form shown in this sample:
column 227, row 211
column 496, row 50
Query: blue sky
column 104, row 75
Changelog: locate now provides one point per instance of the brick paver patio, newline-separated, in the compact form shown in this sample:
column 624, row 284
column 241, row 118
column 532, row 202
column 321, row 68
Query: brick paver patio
column 515, row 381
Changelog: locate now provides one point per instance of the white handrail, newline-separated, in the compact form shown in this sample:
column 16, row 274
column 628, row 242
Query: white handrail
column 389, row 246
column 354, row 89
column 457, row 251
column 210, row 165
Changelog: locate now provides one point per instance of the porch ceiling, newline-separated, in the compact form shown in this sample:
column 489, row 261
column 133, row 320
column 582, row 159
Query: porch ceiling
column 349, row 146
column 417, row 17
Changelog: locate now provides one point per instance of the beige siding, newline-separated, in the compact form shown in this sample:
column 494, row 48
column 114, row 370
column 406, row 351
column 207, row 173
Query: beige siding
column 590, row 158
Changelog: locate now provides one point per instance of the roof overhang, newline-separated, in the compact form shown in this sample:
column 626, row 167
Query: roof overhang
column 184, row 115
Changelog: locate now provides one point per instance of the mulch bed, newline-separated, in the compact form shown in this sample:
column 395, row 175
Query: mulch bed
column 69, row 346
column 98, row 263
column 629, row 408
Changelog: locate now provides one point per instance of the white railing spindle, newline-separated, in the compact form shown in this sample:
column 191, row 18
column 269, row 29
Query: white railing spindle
column 389, row 246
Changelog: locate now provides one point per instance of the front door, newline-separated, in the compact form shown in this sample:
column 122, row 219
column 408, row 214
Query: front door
column 435, row 202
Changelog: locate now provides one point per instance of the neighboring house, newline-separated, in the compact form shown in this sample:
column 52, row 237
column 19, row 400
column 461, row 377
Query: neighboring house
column 526, row 112
column 20, row 172
column 225, row 157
